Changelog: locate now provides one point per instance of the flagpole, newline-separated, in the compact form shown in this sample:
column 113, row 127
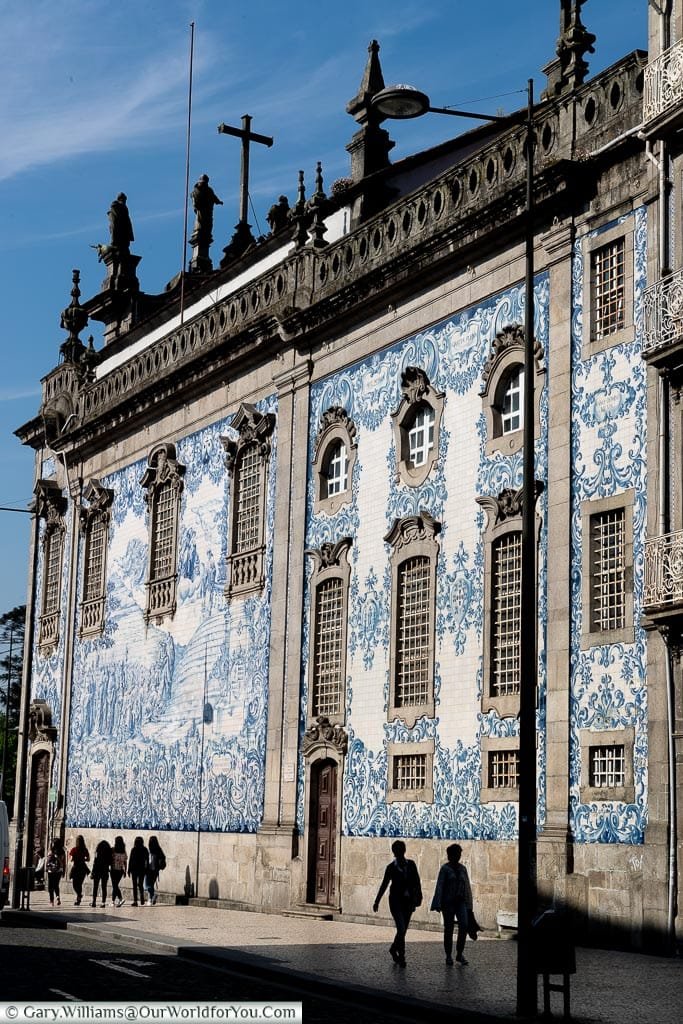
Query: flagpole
column 187, row 178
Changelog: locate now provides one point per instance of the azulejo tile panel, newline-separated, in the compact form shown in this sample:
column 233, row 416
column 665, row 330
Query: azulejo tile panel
column 168, row 722
column 452, row 354
column 609, row 429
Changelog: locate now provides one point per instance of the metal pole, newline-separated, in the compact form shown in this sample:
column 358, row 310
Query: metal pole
column 187, row 177
column 526, row 882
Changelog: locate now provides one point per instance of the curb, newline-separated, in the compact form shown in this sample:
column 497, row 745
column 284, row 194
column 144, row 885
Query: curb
column 255, row 966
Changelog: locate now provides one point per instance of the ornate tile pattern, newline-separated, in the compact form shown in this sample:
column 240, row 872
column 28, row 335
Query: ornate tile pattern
column 453, row 355
column 609, row 429
column 153, row 707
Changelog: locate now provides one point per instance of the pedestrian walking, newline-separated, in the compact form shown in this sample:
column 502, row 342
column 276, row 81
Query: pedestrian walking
column 55, row 866
column 453, row 898
column 405, row 895
column 79, row 857
column 137, row 868
column 101, row 867
column 156, row 863
column 119, row 861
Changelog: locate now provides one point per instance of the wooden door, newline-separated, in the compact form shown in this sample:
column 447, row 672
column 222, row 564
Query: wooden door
column 323, row 833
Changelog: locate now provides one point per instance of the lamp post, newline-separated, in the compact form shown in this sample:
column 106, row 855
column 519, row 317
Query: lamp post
column 403, row 102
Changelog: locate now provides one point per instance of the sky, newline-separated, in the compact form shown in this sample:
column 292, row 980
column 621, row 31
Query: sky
column 93, row 101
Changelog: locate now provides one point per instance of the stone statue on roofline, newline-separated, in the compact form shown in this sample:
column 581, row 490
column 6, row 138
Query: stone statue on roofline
column 120, row 226
column 203, row 201
column 278, row 215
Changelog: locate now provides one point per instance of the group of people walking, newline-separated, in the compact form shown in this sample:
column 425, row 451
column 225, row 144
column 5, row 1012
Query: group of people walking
column 452, row 898
column 110, row 862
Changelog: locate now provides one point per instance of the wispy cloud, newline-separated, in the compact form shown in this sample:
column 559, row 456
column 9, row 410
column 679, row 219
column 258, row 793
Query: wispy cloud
column 19, row 395
column 84, row 93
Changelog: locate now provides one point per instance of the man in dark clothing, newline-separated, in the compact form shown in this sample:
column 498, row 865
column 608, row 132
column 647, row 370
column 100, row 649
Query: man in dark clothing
column 405, row 895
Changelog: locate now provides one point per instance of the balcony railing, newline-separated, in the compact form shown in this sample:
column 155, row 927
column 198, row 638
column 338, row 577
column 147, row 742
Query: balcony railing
column 663, row 571
column 663, row 86
column 663, row 313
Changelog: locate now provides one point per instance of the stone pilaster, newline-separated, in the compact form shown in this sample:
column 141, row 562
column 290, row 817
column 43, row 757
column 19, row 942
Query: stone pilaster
column 554, row 842
column 287, row 601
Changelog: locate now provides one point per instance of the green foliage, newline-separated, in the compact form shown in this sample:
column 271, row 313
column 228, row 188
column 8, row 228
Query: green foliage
column 11, row 662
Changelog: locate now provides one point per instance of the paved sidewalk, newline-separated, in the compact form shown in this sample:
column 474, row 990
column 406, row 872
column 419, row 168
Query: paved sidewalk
column 352, row 961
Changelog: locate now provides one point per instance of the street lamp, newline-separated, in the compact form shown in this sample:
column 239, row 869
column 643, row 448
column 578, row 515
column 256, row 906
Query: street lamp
column 403, row 102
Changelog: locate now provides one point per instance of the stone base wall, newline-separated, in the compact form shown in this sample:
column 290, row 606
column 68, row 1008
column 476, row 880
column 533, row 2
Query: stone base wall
column 615, row 893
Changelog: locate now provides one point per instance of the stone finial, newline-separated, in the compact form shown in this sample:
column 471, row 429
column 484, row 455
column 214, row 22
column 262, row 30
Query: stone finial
column 569, row 69
column 73, row 319
column 317, row 205
column 369, row 147
column 300, row 215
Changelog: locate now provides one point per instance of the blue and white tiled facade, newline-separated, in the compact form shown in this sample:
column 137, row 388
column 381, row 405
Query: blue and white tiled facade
column 138, row 742
column 453, row 354
column 608, row 445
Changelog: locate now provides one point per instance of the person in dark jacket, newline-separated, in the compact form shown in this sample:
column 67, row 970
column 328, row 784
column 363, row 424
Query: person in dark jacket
column 119, row 862
column 101, row 866
column 157, row 863
column 405, row 895
column 453, row 898
column 137, row 868
column 55, row 866
column 79, row 855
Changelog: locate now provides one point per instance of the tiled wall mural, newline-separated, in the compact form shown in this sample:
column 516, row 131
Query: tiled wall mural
column 608, row 453
column 452, row 354
column 153, row 707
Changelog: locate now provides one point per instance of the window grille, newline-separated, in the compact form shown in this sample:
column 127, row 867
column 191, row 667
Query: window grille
column 94, row 560
column 421, row 436
column 413, row 632
column 513, row 399
column 504, row 769
column 53, row 564
column 507, row 595
column 327, row 683
column 337, row 469
column 410, row 771
column 163, row 534
column 248, row 504
column 607, row 768
column 609, row 284
column 608, row 575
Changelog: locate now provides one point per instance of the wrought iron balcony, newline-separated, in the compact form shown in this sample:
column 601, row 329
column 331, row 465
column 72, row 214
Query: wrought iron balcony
column 663, row 315
column 663, row 588
column 663, row 89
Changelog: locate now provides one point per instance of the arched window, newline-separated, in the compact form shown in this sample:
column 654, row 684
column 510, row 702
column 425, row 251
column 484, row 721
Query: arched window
column 327, row 659
column 413, row 605
column 512, row 401
column 336, row 469
column 247, row 460
column 416, row 426
column 503, row 391
column 163, row 480
column 421, row 435
column 333, row 460
column 95, row 529
column 51, row 507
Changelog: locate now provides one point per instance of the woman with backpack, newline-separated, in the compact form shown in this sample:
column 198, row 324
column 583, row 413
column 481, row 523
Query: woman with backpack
column 137, row 869
column 157, row 863
column 119, row 861
column 79, row 855
column 55, row 866
column 453, row 898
